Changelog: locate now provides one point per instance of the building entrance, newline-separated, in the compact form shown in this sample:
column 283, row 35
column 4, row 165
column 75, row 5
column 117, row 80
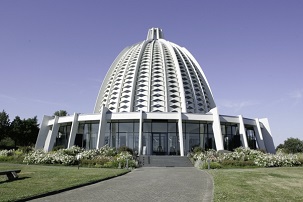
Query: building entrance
column 159, row 143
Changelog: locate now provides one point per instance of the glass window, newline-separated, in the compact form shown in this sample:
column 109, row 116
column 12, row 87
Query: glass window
column 126, row 127
column 136, row 127
column 194, row 141
column 223, row 129
column 251, row 138
column 106, row 139
column 63, row 136
column 192, row 128
column 136, row 142
column 114, row 126
column 107, row 127
column 159, row 127
column 147, row 127
column 122, row 139
column 210, row 128
column 172, row 127
column 202, row 128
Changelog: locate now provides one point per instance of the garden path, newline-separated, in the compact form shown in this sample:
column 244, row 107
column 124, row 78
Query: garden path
column 145, row 184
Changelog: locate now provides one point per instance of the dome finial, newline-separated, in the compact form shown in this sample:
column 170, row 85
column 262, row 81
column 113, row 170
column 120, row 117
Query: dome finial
column 154, row 33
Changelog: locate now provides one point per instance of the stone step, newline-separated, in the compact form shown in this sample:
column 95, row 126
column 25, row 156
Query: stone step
column 164, row 161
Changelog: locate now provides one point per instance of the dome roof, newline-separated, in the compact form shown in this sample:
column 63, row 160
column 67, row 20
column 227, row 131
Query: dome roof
column 155, row 75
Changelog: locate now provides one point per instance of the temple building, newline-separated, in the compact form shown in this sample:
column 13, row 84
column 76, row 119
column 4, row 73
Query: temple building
column 156, row 100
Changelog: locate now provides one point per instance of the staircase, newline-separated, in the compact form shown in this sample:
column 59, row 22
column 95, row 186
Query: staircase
column 164, row 161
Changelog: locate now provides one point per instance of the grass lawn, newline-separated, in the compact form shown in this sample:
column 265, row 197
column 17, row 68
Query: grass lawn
column 36, row 179
column 259, row 184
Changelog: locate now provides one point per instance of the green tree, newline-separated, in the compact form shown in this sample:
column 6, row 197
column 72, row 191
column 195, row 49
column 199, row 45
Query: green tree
column 24, row 132
column 292, row 145
column 61, row 113
column 16, row 129
column 4, row 125
column 30, row 132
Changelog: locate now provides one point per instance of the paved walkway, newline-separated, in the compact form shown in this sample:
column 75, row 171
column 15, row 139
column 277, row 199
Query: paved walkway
column 146, row 184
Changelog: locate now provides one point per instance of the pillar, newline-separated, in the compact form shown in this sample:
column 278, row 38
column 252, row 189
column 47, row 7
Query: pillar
column 51, row 137
column 242, row 132
column 181, row 134
column 73, row 131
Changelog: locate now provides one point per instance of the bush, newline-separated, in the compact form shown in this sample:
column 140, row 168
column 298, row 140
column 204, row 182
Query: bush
column 97, row 162
column 300, row 158
column 198, row 150
column 6, row 158
column 5, row 152
column 7, row 142
column 213, row 165
column 56, row 148
column 111, row 164
column 26, row 149
column 125, row 149
column 249, row 157
column 103, row 157
column 235, row 163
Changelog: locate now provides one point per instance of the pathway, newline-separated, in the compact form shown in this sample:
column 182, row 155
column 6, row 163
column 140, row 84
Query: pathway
column 145, row 184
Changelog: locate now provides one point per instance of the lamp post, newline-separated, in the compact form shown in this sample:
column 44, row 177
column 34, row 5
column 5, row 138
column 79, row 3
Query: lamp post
column 78, row 159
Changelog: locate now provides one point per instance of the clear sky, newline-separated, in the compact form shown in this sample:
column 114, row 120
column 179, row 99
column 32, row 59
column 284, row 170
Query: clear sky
column 54, row 54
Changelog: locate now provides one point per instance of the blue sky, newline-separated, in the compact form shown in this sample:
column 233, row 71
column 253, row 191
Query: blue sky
column 54, row 54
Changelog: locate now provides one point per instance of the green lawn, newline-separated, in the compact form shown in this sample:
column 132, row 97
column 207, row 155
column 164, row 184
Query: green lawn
column 259, row 184
column 36, row 179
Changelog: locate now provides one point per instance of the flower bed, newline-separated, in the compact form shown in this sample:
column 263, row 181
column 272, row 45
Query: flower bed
column 103, row 157
column 247, row 157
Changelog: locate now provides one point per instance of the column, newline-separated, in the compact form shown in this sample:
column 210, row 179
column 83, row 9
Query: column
column 51, row 137
column 258, row 134
column 268, row 140
column 73, row 131
column 102, row 127
column 43, row 132
column 140, row 133
column 217, row 129
column 180, row 134
column 242, row 132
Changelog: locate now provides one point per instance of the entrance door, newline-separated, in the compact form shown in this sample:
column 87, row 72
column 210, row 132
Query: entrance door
column 159, row 143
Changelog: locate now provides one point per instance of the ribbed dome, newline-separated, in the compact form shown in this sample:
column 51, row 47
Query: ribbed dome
column 155, row 75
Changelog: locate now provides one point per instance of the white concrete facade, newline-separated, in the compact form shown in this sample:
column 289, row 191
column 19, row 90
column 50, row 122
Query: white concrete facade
column 49, row 130
column 156, row 100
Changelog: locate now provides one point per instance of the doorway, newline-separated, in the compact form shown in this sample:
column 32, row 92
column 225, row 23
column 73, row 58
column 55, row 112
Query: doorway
column 159, row 143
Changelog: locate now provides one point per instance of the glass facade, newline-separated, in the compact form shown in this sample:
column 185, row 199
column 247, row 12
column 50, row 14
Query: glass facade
column 122, row 133
column 231, row 136
column 160, row 137
column 87, row 135
column 251, row 137
column 63, row 135
column 198, row 134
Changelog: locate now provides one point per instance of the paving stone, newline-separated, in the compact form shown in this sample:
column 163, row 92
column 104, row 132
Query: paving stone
column 146, row 184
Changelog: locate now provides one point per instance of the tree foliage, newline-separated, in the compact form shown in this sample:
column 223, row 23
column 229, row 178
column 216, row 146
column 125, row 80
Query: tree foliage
column 4, row 125
column 61, row 113
column 16, row 129
column 22, row 132
column 291, row 145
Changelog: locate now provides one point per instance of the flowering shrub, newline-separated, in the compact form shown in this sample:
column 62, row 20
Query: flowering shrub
column 73, row 155
column 125, row 157
column 5, row 152
column 242, row 154
column 250, row 156
column 103, row 151
column 212, row 155
column 277, row 160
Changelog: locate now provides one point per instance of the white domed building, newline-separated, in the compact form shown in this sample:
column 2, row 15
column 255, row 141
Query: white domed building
column 156, row 100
